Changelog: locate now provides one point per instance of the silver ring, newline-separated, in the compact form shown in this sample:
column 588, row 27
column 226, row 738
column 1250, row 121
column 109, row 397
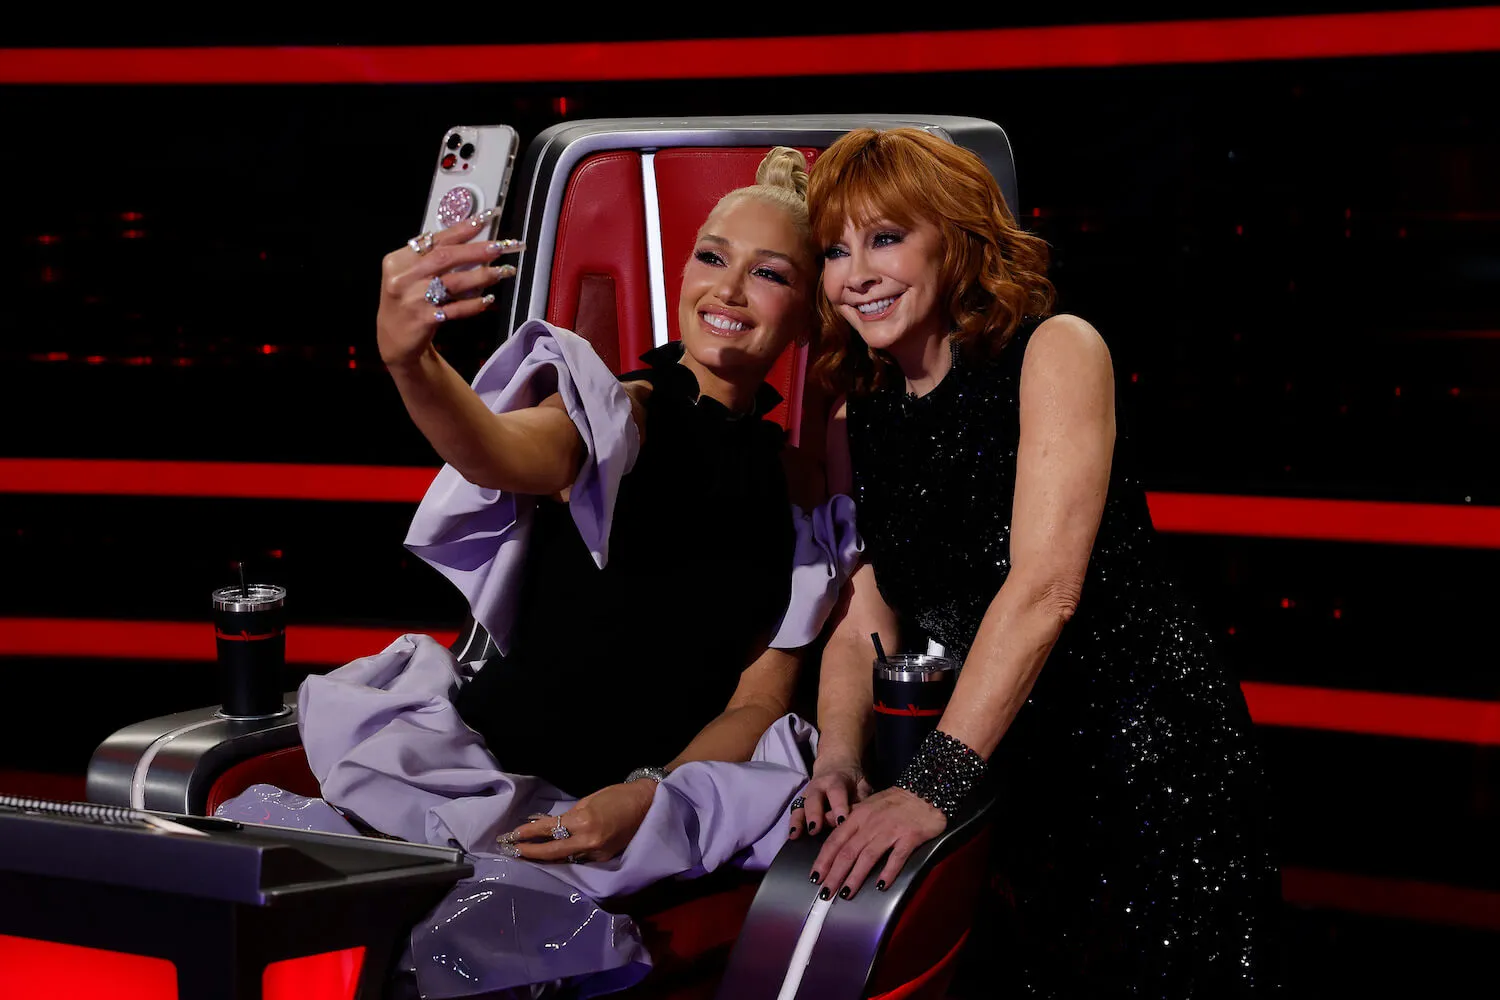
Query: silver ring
column 437, row 292
column 578, row 859
column 560, row 832
column 420, row 244
column 438, row 316
column 798, row 803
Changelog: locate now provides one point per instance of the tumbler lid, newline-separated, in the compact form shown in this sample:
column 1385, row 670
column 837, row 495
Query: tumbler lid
column 256, row 597
column 915, row 667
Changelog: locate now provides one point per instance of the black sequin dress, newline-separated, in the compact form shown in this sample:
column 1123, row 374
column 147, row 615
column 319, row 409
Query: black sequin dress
column 1131, row 824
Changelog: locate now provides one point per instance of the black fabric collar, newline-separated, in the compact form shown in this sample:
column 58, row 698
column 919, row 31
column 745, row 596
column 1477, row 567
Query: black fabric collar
column 666, row 364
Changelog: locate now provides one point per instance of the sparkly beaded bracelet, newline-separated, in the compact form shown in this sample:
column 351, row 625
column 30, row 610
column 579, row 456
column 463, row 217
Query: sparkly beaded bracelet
column 943, row 772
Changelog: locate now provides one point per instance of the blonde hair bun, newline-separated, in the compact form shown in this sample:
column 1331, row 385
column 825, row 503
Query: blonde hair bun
column 784, row 168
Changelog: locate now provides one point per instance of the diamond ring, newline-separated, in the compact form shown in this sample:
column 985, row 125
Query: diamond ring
column 560, row 832
column 437, row 292
column 420, row 244
column 798, row 803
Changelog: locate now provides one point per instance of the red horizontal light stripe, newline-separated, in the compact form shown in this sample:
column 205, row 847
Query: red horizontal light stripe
column 1402, row 899
column 88, row 638
column 1374, row 713
column 1473, row 29
column 1174, row 513
column 242, row 480
column 1366, row 712
column 1475, row 527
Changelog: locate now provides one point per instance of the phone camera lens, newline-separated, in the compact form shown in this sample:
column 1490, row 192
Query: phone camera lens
column 467, row 151
column 454, row 141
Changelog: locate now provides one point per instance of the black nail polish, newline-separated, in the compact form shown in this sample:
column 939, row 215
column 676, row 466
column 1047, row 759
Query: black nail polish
column 792, row 832
column 842, row 818
column 880, row 885
column 844, row 892
column 825, row 893
column 813, row 878
column 812, row 828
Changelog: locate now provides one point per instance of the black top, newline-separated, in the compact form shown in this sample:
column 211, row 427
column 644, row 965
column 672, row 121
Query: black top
column 1132, row 815
column 619, row 668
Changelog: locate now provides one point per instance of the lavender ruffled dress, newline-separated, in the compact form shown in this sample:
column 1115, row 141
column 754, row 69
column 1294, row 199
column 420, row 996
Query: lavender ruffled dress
column 387, row 745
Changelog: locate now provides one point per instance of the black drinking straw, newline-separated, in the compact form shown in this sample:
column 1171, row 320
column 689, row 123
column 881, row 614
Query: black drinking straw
column 244, row 588
column 879, row 649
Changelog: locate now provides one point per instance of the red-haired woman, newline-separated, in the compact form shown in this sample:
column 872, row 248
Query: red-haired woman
column 977, row 438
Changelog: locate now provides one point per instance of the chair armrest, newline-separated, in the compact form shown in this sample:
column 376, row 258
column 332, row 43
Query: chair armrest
column 170, row 763
column 873, row 942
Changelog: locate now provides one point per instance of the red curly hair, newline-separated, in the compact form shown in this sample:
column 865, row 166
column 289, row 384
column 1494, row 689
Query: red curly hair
column 992, row 276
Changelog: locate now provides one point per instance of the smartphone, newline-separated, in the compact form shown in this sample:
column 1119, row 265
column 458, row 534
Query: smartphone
column 472, row 174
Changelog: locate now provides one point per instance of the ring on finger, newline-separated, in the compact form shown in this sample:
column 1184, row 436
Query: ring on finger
column 437, row 292
column 798, row 803
column 438, row 316
column 578, row 859
column 420, row 244
column 560, row 832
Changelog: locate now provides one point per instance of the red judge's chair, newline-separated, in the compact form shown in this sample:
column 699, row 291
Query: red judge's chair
column 609, row 210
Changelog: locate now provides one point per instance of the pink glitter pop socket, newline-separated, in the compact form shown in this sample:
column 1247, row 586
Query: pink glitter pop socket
column 457, row 205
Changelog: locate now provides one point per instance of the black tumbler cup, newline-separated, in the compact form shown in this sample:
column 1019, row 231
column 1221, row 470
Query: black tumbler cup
column 250, row 630
column 911, row 691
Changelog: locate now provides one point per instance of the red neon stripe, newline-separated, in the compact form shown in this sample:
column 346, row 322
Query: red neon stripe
column 1374, row 713
column 1368, row 712
column 244, row 480
column 1474, row 527
column 89, row 638
column 1173, row 513
column 1403, row 899
column 1475, row 29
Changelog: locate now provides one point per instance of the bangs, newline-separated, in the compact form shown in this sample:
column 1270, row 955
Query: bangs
column 865, row 185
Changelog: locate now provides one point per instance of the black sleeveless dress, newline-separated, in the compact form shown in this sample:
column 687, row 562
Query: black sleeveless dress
column 1131, row 822
column 620, row 668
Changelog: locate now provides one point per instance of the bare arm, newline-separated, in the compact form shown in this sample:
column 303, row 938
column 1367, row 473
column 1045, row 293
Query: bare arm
column 845, row 685
column 764, row 694
column 1062, row 477
column 603, row 824
column 535, row 450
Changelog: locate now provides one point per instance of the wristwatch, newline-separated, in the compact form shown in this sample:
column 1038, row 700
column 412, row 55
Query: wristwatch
column 656, row 774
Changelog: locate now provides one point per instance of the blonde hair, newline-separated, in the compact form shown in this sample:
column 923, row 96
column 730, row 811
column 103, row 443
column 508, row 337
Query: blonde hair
column 780, row 180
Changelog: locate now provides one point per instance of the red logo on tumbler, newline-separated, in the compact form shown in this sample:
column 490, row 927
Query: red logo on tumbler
column 885, row 709
column 244, row 636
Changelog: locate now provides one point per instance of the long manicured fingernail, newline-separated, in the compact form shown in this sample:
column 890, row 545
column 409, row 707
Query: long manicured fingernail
column 509, row 851
column 812, row 828
column 813, row 878
column 482, row 218
column 844, row 892
column 486, row 301
column 506, row 246
column 504, row 271
column 842, row 818
column 506, row 838
column 880, row 885
column 825, row 893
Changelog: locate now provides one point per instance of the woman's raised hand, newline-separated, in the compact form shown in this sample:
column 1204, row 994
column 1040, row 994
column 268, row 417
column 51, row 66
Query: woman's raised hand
column 836, row 785
column 433, row 279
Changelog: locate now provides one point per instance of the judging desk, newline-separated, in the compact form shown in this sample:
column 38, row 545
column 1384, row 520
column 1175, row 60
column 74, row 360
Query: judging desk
column 102, row 904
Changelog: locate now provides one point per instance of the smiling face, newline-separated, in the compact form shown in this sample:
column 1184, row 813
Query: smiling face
column 885, row 280
column 746, row 291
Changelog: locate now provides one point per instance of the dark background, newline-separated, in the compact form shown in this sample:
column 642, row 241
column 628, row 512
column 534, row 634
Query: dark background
column 1296, row 265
